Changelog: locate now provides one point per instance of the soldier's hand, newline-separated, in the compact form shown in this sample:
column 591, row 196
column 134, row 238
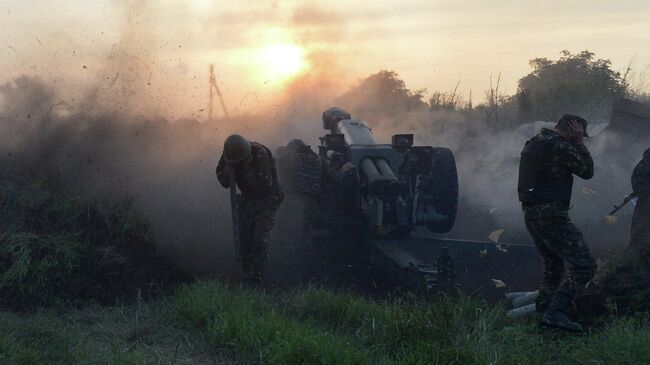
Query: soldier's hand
column 347, row 167
column 576, row 132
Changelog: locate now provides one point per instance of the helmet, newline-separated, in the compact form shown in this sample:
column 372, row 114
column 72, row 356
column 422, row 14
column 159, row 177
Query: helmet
column 236, row 148
column 333, row 115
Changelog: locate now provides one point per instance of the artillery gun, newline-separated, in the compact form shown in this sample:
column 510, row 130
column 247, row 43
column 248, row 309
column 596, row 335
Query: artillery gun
column 398, row 186
column 368, row 198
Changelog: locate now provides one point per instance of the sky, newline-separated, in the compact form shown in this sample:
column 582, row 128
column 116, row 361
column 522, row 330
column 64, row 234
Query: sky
column 163, row 49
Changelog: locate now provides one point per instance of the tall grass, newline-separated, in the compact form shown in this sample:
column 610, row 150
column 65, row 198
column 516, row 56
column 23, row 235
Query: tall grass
column 90, row 336
column 210, row 322
column 55, row 247
column 317, row 326
column 247, row 323
column 411, row 331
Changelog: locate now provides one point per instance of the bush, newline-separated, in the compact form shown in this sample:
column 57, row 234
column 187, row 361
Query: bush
column 576, row 83
column 625, row 281
column 38, row 266
column 56, row 248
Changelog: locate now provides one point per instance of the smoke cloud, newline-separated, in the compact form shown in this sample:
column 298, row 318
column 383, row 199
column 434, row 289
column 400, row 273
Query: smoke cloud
column 120, row 137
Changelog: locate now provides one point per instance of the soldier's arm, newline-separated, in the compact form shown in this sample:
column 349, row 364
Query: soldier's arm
column 222, row 173
column 575, row 158
column 641, row 178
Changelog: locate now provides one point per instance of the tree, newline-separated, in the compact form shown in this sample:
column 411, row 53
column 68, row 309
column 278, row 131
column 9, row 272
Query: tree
column 576, row 83
column 445, row 100
column 383, row 92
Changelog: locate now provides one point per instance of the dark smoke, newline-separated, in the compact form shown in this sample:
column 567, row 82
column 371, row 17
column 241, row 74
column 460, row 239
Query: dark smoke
column 168, row 166
column 488, row 162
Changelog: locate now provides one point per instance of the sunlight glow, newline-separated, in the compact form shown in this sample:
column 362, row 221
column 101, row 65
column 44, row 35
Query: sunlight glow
column 282, row 61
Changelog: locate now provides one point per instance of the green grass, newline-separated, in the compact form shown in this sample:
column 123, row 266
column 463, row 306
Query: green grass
column 316, row 326
column 248, row 323
column 137, row 333
column 208, row 322
column 58, row 255
column 56, row 248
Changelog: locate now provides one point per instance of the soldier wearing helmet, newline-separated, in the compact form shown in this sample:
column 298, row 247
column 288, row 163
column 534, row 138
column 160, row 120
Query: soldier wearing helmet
column 334, row 115
column 336, row 169
column 548, row 162
column 255, row 175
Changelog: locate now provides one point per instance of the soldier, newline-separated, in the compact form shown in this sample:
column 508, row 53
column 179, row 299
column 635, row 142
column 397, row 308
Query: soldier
column 338, row 170
column 548, row 162
column 640, row 235
column 261, row 195
column 334, row 115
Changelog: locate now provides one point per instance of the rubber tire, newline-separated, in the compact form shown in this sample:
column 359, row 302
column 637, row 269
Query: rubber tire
column 445, row 187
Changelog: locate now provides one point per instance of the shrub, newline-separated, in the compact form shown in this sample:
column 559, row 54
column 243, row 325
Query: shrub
column 576, row 83
column 54, row 248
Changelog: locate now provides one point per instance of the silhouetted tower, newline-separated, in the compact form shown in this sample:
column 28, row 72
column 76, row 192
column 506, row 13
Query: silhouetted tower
column 215, row 88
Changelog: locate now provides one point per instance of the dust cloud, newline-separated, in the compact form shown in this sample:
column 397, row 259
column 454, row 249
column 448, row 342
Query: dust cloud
column 120, row 137
column 123, row 130
column 168, row 166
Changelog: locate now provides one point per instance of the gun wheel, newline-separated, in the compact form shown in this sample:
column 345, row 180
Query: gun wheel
column 445, row 188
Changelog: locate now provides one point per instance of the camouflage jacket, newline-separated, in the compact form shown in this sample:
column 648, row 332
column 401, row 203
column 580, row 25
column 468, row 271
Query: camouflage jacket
column 546, row 210
column 568, row 156
column 641, row 177
column 565, row 157
column 257, row 181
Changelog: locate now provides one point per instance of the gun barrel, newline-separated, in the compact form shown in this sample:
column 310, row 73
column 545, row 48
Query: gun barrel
column 355, row 132
column 384, row 167
column 381, row 179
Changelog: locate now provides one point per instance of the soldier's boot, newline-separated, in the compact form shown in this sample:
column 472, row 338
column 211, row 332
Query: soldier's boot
column 556, row 314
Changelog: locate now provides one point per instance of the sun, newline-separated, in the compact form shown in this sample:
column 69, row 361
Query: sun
column 282, row 61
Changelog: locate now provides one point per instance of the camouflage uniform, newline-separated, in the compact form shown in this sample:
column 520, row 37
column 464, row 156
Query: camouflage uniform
column 261, row 196
column 568, row 263
column 299, row 172
column 640, row 235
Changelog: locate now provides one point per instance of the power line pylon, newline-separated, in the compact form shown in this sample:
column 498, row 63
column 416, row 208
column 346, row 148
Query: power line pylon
column 215, row 88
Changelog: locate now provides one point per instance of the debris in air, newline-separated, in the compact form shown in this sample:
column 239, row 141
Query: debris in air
column 502, row 247
column 498, row 283
column 496, row 235
column 588, row 191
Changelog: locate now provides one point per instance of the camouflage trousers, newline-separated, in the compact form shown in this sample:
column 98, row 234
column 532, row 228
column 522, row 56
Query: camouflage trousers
column 568, row 263
column 255, row 225
column 640, row 232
